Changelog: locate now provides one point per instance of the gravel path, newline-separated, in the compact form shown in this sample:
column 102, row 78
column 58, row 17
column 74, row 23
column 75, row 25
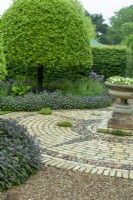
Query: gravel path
column 58, row 184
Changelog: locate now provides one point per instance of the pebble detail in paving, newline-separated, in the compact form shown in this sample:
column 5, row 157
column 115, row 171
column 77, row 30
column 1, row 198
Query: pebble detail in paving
column 79, row 148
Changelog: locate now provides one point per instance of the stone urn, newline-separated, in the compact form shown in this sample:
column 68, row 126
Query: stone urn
column 122, row 117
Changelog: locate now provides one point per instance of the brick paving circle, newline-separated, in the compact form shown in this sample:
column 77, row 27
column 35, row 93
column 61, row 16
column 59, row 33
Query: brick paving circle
column 79, row 148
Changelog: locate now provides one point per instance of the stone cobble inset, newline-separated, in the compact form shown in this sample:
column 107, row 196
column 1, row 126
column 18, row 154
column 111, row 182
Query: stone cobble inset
column 79, row 148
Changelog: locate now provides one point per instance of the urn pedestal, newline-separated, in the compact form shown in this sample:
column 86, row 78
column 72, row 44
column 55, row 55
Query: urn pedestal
column 122, row 117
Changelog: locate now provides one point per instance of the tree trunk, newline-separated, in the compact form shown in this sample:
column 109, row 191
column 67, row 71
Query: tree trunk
column 40, row 79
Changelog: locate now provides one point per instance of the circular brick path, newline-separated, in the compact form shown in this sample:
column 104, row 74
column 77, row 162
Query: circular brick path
column 79, row 148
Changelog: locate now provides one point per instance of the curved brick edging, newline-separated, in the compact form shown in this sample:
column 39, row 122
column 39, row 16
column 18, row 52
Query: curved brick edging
column 70, row 149
column 69, row 165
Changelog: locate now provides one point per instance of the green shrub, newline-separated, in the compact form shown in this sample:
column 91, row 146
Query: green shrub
column 5, row 88
column 83, row 86
column 64, row 124
column 87, row 87
column 16, row 91
column 110, row 60
column 20, row 86
column 55, row 100
column 15, row 88
column 19, row 154
column 45, row 111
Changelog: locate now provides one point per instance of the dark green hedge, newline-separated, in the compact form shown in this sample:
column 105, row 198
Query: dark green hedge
column 110, row 60
column 52, row 74
column 72, row 73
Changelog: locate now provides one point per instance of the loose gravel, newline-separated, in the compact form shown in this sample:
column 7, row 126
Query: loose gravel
column 58, row 184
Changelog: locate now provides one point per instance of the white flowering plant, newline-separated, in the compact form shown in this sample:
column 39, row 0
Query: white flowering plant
column 120, row 80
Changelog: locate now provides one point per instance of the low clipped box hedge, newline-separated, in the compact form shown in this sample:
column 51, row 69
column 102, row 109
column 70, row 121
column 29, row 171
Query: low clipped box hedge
column 19, row 154
column 110, row 60
column 55, row 100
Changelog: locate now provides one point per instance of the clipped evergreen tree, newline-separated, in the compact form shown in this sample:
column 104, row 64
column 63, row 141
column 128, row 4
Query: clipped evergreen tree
column 46, row 33
column 3, row 70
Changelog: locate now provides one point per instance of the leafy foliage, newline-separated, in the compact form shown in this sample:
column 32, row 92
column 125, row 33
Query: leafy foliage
column 83, row 86
column 19, row 154
column 15, row 88
column 90, row 26
column 36, row 36
column 121, row 25
column 73, row 73
column 3, row 71
column 20, row 90
column 127, row 29
column 100, row 26
column 5, row 88
column 110, row 60
column 54, row 100
column 128, row 41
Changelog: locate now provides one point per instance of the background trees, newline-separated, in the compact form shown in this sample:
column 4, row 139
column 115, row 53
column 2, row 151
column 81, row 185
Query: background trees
column 128, row 41
column 46, row 34
column 121, row 25
column 100, row 26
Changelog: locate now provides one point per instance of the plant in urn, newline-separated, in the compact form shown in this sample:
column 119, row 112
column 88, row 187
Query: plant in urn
column 122, row 88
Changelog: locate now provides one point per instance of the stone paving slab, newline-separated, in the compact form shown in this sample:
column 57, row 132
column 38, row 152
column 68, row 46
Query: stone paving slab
column 83, row 150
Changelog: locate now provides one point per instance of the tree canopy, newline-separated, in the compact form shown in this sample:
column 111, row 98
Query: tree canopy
column 121, row 25
column 46, row 33
column 100, row 26
column 121, row 29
